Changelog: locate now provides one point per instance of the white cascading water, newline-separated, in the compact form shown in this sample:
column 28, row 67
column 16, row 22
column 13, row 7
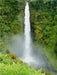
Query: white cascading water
column 27, row 33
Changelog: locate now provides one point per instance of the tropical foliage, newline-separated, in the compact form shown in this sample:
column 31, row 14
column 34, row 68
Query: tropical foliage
column 9, row 13
column 12, row 66
column 44, row 31
column 44, row 24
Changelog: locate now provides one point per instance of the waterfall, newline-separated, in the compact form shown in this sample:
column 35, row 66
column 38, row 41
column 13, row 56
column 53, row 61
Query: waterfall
column 27, row 29
column 27, row 35
column 27, row 51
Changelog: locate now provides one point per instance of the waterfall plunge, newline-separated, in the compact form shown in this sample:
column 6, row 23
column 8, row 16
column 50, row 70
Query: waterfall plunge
column 27, row 33
column 27, row 29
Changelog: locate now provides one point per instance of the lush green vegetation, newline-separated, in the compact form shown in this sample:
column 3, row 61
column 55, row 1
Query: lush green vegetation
column 11, row 14
column 11, row 19
column 44, row 26
column 10, row 65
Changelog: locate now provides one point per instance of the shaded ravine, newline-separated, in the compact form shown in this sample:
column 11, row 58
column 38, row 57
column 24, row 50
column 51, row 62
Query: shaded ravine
column 26, row 50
